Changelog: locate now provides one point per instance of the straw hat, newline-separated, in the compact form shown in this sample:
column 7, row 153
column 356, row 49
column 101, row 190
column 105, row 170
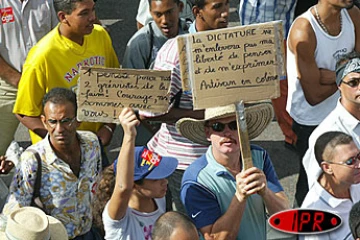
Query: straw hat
column 258, row 117
column 30, row 223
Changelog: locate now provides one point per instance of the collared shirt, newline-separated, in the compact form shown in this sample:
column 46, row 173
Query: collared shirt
column 208, row 188
column 168, row 141
column 261, row 11
column 22, row 25
column 319, row 198
column 338, row 120
column 64, row 195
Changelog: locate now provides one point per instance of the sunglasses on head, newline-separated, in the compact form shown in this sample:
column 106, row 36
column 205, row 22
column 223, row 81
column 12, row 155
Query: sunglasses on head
column 219, row 127
column 353, row 83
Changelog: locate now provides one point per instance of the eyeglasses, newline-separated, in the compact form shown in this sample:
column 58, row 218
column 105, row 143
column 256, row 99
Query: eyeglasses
column 66, row 122
column 350, row 162
column 353, row 83
column 219, row 127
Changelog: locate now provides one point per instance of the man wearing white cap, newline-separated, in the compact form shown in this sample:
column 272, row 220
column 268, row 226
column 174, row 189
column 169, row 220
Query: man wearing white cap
column 345, row 117
column 224, row 200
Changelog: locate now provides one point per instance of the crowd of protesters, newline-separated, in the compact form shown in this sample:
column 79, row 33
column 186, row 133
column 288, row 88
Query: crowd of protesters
column 188, row 181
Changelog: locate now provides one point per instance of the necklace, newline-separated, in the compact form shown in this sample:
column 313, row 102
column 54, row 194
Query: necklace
column 322, row 25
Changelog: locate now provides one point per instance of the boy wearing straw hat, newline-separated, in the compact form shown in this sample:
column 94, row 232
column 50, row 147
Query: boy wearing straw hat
column 224, row 200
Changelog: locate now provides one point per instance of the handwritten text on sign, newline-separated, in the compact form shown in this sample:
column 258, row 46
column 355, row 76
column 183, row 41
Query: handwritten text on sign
column 104, row 92
column 241, row 63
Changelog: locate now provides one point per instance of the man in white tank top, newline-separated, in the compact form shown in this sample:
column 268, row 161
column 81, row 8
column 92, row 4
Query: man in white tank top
column 316, row 40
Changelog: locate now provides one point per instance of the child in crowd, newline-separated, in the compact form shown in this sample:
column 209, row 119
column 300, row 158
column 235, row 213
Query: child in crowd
column 138, row 193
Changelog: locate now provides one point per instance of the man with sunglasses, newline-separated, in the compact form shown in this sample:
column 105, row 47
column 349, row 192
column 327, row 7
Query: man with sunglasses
column 337, row 188
column 70, row 162
column 345, row 117
column 224, row 200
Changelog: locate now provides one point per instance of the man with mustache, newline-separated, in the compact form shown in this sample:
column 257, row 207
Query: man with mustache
column 209, row 15
column 337, row 188
column 224, row 200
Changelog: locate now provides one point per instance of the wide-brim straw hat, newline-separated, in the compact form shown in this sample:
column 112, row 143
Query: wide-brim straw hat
column 30, row 223
column 258, row 117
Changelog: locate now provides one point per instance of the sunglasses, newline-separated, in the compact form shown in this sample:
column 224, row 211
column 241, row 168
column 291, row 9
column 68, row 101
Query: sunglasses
column 219, row 127
column 353, row 83
column 350, row 162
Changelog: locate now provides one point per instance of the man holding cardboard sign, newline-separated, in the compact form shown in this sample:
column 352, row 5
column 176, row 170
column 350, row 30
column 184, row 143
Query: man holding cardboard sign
column 224, row 200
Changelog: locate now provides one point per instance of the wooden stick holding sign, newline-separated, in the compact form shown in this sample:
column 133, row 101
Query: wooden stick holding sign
column 233, row 65
column 243, row 136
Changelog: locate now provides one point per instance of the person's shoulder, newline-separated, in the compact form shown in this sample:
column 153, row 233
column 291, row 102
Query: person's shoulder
column 88, row 136
column 98, row 31
column 140, row 35
column 301, row 26
column 193, row 171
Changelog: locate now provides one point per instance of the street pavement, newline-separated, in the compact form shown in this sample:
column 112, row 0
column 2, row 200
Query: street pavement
column 119, row 17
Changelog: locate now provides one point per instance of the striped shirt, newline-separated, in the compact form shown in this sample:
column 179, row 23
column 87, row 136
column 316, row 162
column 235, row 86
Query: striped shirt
column 168, row 141
column 260, row 11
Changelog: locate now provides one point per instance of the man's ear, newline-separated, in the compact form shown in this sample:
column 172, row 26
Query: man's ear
column 62, row 17
column 43, row 120
column 196, row 12
column 326, row 167
column 207, row 133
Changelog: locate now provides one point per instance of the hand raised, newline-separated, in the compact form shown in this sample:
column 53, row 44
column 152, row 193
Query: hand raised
column 128, row 121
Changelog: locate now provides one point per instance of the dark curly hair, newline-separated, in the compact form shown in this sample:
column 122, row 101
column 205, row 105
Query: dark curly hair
column 104, row 189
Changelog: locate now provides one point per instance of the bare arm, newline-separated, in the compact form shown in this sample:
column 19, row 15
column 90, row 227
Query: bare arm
column 355, row 17
column 125, row 167
column 317, row 84
column 34, row 124
column 8, row 73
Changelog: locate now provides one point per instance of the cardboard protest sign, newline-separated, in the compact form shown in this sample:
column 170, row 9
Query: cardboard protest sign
column 104, row 92
column 228, row 65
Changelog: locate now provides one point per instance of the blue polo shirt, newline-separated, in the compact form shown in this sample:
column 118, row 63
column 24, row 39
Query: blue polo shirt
column 208, row 188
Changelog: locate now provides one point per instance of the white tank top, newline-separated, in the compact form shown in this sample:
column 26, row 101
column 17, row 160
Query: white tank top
column 328, row 50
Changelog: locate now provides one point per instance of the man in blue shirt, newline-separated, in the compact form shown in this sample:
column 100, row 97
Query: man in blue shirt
column 224, row 200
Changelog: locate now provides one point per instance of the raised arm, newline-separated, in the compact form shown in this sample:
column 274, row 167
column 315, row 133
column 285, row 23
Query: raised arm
column 317, row 84
column 125, row 166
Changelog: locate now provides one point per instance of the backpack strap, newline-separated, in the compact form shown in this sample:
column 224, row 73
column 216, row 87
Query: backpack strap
column 35, row 200
column 151, row 34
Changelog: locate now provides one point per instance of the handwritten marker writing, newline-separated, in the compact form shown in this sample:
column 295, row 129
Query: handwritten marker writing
column 305, row 221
